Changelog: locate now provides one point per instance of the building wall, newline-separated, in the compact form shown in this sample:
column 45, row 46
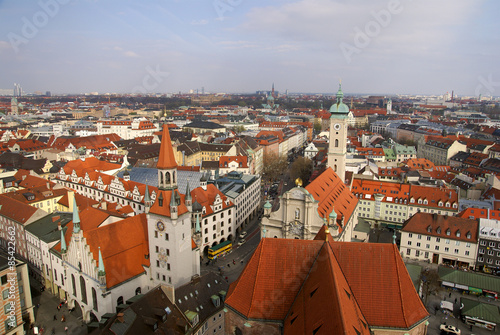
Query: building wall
column 178, row 266
column 10, row 304
column 424, row 247
column 420, row 329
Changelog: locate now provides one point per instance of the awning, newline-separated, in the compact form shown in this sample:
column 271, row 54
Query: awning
column 447, row 305
column 462, row 287
column 447, row 283
column 476, row 290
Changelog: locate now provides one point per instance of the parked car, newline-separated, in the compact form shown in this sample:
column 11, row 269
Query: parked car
column 241, row 242
column 448, row 329
column 243, row 234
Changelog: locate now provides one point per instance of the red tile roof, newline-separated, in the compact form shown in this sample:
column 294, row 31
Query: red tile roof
column 355, row 282
column 479, row 213
column 450, row 227
column 16, row 210
column 331, row 193
column 167, row 158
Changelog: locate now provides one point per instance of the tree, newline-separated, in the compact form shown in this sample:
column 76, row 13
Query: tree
column 301, row 168
column 239, row 129
column 274, row 166
column 317, row 126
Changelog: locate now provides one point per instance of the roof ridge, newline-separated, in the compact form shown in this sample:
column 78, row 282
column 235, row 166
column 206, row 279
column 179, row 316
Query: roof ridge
column 394, row 247
column 303, row 281
column 349, row 286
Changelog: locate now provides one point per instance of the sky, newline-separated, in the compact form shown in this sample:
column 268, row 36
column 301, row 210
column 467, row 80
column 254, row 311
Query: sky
column 241, row 46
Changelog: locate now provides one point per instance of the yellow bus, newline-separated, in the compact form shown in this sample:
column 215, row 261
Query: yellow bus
column 223, row 247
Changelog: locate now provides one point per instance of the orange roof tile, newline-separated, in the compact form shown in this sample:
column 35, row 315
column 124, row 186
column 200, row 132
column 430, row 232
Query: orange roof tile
column 331, row 193
column 167, row 158
column 443, row 226
column 354, row 282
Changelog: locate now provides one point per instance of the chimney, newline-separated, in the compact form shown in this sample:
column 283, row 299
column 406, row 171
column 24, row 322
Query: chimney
column 55, row 218
column 104, row 205
column 48, row 185
column 24, row 177
column 119, row 317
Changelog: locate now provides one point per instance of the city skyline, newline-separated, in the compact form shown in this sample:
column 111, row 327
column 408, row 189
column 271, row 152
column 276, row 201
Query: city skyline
column 385, row 47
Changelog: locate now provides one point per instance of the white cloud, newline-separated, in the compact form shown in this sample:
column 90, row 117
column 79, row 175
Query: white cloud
column 131, row 54
column 199, row 22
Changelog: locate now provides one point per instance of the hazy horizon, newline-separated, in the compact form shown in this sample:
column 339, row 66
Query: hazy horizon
column 235, row 46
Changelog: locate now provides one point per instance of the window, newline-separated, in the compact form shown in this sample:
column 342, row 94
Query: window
column 5, row 294
column 409, row 242
column 447, row 241
column 428, row 238
column 408, row 251
column 467, row 253
column 457, row 243
column 417, row 253
column 418, row 244
column 83, row 289
column 427, row 246
column 436, row 247
column 438, row 239
column 481, row 251
column 446, row 249
column 456, row 251
column 410, row 235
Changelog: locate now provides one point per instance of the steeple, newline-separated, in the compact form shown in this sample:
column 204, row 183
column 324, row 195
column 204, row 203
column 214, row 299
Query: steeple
column 167, row 166
column 197, row 227
column 63, row 243
column 340, row 94
column 147, row 199
column 76, row 219
column 187, row 199
column 173, row 204
column 101, row 273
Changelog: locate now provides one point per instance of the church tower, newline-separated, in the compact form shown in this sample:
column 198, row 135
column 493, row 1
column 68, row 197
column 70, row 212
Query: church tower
column 167, row 166
column 174, row 257
column 337, row 149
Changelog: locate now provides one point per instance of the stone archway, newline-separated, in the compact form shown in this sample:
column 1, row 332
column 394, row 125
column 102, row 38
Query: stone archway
column 205, row 250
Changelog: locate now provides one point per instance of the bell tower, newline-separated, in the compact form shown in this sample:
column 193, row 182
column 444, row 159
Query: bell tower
column 337, row 148
column 167, row 166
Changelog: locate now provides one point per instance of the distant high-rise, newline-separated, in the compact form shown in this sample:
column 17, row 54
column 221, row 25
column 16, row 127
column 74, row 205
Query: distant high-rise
column 48, row 94
column 18, row 90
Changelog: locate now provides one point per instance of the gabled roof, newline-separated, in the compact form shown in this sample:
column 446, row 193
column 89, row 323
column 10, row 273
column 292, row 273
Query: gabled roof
column 355, row 282
column 331, row 192
column 448, row 227
column 16, row 210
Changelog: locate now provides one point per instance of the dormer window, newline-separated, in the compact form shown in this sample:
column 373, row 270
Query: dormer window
column 458, row 233
column 438, row 230
column 429, row 229
column 448, row 232
column 468, row 235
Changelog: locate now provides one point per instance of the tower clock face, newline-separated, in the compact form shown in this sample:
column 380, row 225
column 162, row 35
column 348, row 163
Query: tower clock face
column 336, row 126
column 160, row 226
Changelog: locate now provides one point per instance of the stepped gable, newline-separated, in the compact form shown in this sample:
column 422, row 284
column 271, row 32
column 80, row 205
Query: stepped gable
column 124, row 243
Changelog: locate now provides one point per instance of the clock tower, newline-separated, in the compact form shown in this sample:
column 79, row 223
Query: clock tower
column 174, row 258
column 338, row 135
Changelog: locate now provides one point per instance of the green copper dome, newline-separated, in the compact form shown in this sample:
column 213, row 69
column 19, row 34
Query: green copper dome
column 339, row 108
column 268, row 205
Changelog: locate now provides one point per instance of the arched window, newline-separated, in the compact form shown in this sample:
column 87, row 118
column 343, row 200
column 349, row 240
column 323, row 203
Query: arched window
column 335, row 168
column 297, row 214
column 83, row 288
column 74, row 284
column 80, row 266
column 173, row 177
column 336, row 143
column 167, row 177
column 94, row 300
column 138, row 291
column 119, row 301
column 161, row 178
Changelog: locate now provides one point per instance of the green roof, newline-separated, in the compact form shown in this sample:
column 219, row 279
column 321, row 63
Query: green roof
column 480, row 310
column 476, row 280
column 389, row 154
column 190, row 315
column 414, row 272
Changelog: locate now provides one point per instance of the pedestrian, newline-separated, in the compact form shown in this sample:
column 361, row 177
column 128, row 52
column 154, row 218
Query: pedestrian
column 55, row 317
column 66, row 329
column 449, row 296
column 456, row 300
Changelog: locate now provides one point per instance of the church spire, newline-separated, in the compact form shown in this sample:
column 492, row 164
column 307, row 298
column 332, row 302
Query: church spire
column 76, row 219
column 63, row 242
column 167, row 166
column 101, row 270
